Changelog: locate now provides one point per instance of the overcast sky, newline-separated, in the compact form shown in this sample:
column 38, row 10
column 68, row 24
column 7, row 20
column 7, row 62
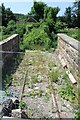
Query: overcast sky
column 24, row 6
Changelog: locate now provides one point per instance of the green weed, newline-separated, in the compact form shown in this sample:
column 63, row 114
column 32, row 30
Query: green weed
column 54, row 75
column 22, row 104
column 35, row 93
column 67, row 93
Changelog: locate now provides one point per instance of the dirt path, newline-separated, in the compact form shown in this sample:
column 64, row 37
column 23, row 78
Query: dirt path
column 38, row 90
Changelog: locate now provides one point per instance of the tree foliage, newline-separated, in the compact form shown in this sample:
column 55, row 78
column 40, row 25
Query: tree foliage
column 76, row 8
column 7, row 15
column 37, row 10
column 72, row 15
column 41, row 11
column 51, row 13
column 68, row 16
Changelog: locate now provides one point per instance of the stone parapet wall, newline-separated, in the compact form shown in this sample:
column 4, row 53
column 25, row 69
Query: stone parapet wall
column 69, row 50
column 11, row 44
column 7, row 47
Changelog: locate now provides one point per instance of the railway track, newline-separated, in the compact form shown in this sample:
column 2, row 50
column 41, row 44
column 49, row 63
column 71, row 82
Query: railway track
column 36, row 89
column 55, row 103
column 27, row 90
column 53, row 95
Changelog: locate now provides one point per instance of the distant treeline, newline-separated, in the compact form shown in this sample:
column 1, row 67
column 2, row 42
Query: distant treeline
column 72, row 15
column 6, row 14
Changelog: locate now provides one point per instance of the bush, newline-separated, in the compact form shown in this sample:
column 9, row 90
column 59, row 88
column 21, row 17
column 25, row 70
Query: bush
column 37, row 37
column 20, row 29
column 41, row 36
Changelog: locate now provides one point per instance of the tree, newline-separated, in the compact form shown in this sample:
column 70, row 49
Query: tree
column 11, row 26
column 61, row 18
column 76, row 8
column 74, row 20
column 10, row 15
column 0, row 16
column 51, row 13
column 3, row 13
column 46, row 10
column 72, row 15
column 68, row 13
column 7, row 15
column 40, row 11
column 37, row 10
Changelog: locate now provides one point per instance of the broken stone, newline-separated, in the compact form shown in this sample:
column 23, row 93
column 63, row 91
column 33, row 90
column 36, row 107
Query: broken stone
column 29, row 90
column 10, row 104
column 6, row 111
column 16, row 104
column 16, row 113
column 24, row 115
column 36, row 88
column 6, row 117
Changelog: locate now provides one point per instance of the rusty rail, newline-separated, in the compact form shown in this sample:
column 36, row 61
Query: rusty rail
column 55, row 100
column 23, row 86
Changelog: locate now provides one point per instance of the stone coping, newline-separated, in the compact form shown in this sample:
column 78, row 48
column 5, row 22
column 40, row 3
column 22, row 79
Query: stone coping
column 8, row 39
column 71, row 41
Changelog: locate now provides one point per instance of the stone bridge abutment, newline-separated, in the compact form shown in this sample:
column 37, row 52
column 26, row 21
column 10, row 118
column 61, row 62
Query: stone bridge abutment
column 69, row 54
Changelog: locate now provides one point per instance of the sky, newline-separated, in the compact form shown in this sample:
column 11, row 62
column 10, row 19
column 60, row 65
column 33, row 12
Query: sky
column 24, row 6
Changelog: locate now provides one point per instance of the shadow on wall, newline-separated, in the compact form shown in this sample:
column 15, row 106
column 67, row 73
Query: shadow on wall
column 10, row 68
column 10, row 58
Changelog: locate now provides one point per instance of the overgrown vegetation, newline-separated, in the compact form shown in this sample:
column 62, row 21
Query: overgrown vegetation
column 66, row 90
column 43, row 33
column 39, row 39
column 12, row 28
column 68, row 93
column 74, row 33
